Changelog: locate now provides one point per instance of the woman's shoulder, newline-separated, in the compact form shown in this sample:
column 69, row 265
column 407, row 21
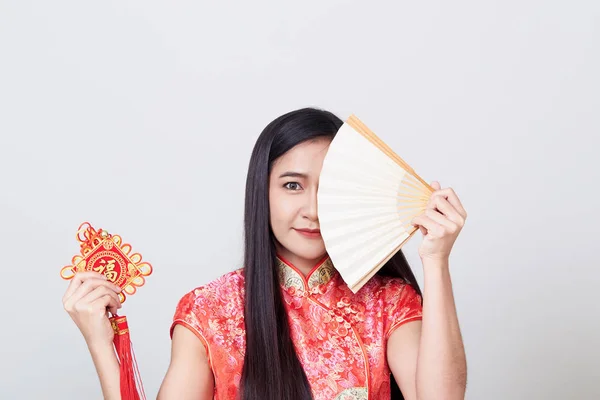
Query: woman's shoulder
column 395, row 299
column 387, row 287
column 207, row 308
column 221, row 297
column 230, row 283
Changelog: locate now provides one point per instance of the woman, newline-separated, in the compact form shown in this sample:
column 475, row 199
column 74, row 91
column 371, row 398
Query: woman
column 286, row 326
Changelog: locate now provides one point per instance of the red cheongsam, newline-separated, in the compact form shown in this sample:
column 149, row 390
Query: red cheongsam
column 340, row 337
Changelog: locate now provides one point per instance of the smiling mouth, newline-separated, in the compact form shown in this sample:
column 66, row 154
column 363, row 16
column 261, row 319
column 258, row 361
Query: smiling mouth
column 310, row 233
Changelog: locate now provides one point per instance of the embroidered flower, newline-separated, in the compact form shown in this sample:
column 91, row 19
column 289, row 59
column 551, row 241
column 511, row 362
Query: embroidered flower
column 342, row 330
column 322, row 288
column 359, row 317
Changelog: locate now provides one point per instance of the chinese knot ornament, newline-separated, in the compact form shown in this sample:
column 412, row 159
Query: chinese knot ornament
column 106, row 254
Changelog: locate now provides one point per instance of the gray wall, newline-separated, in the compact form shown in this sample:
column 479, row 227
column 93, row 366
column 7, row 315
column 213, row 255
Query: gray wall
column 140, row 116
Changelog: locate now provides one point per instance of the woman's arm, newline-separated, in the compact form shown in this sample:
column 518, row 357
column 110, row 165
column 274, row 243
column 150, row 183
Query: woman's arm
column 87, row 299
column 189, row 376
column 107, row 367
column 427, row 357
column 441, row 366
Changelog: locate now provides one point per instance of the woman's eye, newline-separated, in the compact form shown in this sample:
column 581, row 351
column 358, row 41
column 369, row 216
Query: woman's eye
column 292, row 185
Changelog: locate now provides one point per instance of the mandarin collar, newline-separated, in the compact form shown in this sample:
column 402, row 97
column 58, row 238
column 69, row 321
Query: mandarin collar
column 295, row 283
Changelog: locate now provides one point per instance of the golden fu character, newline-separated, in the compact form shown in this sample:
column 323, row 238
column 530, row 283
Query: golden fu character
column 108, row 269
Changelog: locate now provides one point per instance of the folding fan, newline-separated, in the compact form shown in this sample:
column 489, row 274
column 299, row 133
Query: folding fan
column 367, row 198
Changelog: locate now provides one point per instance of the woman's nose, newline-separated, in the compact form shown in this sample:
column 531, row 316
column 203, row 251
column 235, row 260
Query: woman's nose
column 311, row 207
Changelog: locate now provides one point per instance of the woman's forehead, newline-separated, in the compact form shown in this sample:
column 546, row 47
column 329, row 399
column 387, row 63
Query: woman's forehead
column 305, row 157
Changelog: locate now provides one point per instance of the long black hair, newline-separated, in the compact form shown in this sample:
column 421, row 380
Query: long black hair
column 271, row 368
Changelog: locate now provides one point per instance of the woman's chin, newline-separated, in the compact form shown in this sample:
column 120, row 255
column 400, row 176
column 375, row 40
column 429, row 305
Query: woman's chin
column 311, row 252
column 308, row 249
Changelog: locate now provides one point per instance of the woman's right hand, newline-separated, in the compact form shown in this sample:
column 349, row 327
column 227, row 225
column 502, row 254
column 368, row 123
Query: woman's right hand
column 88, row 299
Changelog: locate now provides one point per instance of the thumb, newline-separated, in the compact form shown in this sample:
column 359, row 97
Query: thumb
column 436, row 185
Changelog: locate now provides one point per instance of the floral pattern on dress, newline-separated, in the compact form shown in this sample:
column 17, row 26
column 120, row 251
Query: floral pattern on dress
column 353, row 394
column 340, row 337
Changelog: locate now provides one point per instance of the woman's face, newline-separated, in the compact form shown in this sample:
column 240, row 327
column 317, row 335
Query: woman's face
column 293, row 185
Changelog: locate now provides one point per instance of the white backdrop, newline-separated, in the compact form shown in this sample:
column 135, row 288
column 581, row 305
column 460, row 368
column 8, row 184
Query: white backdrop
column 140, row 116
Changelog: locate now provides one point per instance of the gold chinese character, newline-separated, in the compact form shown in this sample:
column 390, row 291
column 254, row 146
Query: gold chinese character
column 108, row 269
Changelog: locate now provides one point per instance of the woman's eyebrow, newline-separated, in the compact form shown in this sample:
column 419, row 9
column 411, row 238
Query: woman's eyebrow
column 293, row 175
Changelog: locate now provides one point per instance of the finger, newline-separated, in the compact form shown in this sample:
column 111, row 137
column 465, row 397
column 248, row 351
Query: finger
column 451, row 196
column 419, row 227
column 436, row 185
column 424, row 221
column 441, row 220
column 99, row 293
column 87, row 287
column 107, row 303
column 90, row 285
column 78, row 280
column 445, row 208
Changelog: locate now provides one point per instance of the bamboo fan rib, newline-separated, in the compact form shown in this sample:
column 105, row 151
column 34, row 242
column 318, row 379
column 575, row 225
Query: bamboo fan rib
column 367, row 197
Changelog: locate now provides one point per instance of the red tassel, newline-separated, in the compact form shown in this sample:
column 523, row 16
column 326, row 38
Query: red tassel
column 129, row 374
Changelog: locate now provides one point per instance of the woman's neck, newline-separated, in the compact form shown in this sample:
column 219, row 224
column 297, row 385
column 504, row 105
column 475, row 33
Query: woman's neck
column 304, row 265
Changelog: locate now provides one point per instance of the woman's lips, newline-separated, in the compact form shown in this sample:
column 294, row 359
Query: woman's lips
column 309, row 233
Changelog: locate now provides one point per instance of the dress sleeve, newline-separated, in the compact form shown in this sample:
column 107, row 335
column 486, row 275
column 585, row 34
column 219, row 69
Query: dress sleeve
column 190, row 313
column 403, row 305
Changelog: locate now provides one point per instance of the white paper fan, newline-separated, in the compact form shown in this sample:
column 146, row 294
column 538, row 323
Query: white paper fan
column 367, row 198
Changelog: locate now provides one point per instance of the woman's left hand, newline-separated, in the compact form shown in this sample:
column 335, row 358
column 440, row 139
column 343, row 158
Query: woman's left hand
column 440, row 224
